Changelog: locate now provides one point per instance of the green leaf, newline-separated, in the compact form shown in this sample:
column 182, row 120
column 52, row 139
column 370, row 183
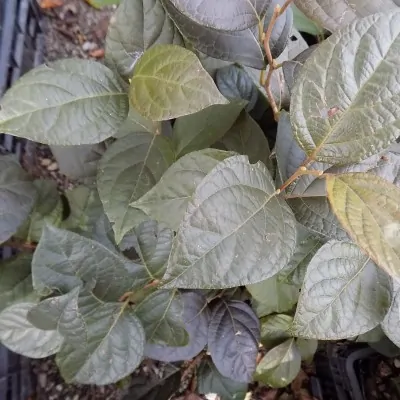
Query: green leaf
column 271, row 296
column 367, row 207
column 374, row 335
column 323, row 109
column 282, row 28
column 176, row 187
column 209, row 380
column 18, row 195
column 246, row 137
column 161, row 314
column 135, row 27
column 202, row 129
column 64, row 260
column 135, row 123
column 153, row 245
column 16, row 280
column 295, row 270
column 169, row 82
column 307, row 348
column 344, row 294
column 102, row 3
column 239, row 46
column 280, row 365
column 235, row 84
column 226, row 15
column 275, row 329
column 56, row 313
column 20, row 336
column 233, row 337
column 110, row 348
column 196, row 318
column 391, row 323
column 48, row 209
column 304, row 24
column 129, row 168
column 219, row 249
column 67, row 102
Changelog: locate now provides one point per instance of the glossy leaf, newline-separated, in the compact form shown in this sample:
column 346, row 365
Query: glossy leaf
column 67, row 102
column 129, row 168
column 161, row 315
column 307, row 348
column 271, row 296
column 280, row 365
column 239, row 46
column 20, row 336
column 136, row 26
column 16, row 280
column 17, row 196
column 367, row 207
column 275, row 329
column 48, row 209
column 247, row 138
column 344, row 294
column 169, row 82
column 110, row 348
column 235, row 84
column 211, row 381
column 220, row 249
column 325, row 107
column 226, row 15
column 202, row 129
column 64, row 260
column 233, row 337
column 177, row 185
column 196, row 318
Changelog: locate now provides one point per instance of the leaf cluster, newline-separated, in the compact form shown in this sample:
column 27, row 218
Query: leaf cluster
column 203, row 230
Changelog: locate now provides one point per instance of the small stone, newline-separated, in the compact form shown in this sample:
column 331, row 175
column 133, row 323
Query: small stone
column 53, row 166
column 42, row 380
column 45, row 162
column 89, row 46
column 384, row 369
column 396, row 363
column 59, row 388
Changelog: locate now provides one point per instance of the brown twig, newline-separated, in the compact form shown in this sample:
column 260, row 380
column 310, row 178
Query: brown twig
column 278, row 11
column 299, row 172
column 20, row 245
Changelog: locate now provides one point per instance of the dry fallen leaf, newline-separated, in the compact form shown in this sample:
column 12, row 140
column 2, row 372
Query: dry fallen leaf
column 48, row 4
column 98, row 53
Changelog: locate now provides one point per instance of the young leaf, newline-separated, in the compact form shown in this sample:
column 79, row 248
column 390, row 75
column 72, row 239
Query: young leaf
column 153, row 244
column 202, row 129
column 344, row 294
column 196, row 318
column 161, row 314
column 219, row 249
column 271, row 296
column 110, row 348
column 48, row 209
column 209, row 380
column 233, row 337
column 18, row 195
column 307, row 348
column 20, row 336
column 128, row 169
column 136, row 26
column 247, row 138
column 391, row 323
column 275, row 329
column 324, row 107
column 64, row 260
column 67, row 102
column 176, row 187
column 281, row 29
column 226, row 15
column 367, row 207
column 235, row 84
column 280, row 365
column 238, row 46
column 169, row 82
column 16, row 280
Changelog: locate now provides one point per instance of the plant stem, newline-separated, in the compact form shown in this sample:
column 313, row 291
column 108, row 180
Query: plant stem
column 20, row 245
column 299, row 172
column 278, row 11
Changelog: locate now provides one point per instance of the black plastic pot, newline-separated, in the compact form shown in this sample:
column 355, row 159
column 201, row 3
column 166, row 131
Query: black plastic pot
column 21, row 49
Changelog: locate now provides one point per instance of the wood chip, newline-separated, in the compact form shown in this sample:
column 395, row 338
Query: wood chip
column 49, row 4
column 98, row 53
